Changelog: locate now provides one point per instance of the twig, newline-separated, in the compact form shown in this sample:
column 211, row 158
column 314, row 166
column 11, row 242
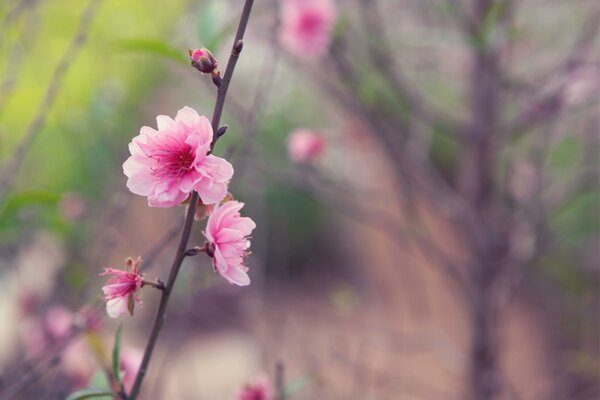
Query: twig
column 16, row 55
column 189, row 219
column 11, row 167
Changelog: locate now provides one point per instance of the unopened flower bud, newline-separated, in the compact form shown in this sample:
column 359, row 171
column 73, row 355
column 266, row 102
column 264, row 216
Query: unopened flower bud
column 203, row 60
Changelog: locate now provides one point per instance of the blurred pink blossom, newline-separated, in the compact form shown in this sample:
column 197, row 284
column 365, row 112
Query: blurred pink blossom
column 131, row 359
column 169, row 163
column 59, row 322
column 33, row 337
column 306, row 27
column 305, row 145
column 72, row 206
column 120, row 292
column 78, row 363
column 259, row 389
column 227, row 233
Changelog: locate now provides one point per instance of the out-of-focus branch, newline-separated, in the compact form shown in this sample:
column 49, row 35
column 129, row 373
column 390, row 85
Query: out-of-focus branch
column 382, row 56
column 14, row 13
column 17, row 55
column 545, row 108
column 261, row 94
column 12, row 166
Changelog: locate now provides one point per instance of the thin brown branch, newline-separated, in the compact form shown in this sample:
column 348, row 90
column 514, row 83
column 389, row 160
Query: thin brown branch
column 189, row 219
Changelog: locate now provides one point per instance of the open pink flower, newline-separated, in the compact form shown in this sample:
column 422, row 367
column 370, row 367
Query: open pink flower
column 259, row 389
column 306, row 26
column 169, row 163
column 227, row 233
column 305, row 145
column 120, row 292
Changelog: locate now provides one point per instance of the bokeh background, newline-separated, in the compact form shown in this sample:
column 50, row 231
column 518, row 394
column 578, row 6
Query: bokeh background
column 447, row 124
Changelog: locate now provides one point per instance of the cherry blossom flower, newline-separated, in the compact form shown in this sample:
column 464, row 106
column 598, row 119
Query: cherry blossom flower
column 120, row 292
column 227, row 234
column 306, row 27
column 259, row 389
column 167, row 164
column 305, row 145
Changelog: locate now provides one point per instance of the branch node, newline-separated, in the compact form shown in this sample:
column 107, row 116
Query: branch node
column 221, row 131
column 237, row 47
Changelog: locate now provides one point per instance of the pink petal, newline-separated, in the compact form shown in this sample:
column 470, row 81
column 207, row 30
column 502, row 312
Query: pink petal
column 210, row 193
column 116, row 306
column 166, row 123
column 237, row 276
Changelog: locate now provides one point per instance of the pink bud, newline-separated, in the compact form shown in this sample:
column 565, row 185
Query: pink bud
column 203, row 60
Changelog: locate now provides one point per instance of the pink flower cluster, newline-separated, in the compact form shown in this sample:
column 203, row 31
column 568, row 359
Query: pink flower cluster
column 305, row 145
column 166, row 165
column 306, row 27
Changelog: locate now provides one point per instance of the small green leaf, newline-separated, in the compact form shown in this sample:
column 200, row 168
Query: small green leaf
column 117, row 354
column 89, row 393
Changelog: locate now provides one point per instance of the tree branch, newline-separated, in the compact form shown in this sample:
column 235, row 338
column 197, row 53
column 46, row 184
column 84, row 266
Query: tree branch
column 189, row 219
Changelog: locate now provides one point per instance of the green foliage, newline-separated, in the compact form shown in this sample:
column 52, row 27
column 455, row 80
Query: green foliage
column 151, row 46
column 566, row 153
column 578, row 218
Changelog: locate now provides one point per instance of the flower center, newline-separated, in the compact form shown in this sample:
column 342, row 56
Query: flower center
column 174, row 159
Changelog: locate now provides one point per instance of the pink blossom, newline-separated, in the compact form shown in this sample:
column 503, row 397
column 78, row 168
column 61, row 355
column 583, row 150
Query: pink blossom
column 227, row 233
column 306, row 26
column 59, row 322
column 120, row 292
column 305, row 145
column 169, row 163
column 131, row 359
column 259, row 389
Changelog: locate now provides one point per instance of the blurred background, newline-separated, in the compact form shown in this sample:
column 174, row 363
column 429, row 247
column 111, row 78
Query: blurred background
column 432, row 232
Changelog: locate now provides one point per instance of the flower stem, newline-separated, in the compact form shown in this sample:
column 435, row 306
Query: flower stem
column 189, row 217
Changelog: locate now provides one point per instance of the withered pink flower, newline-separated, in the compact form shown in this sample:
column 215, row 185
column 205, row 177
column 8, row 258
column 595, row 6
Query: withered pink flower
column 305, row 145
column 306, row 27
column 227, row 233
column 259, row 389
column 169, row 163
column 121, row 290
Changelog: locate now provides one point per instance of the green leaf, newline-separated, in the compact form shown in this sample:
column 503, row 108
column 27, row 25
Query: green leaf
column 19, row 200
column 151, row 46
column 116, row 355
column 89, row 393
